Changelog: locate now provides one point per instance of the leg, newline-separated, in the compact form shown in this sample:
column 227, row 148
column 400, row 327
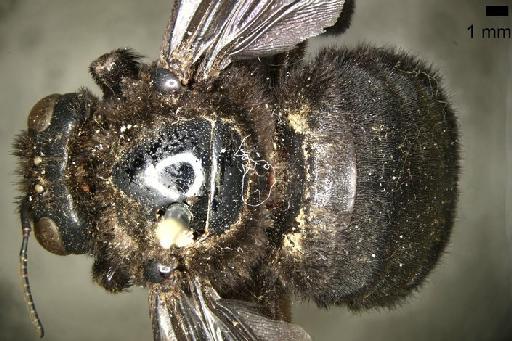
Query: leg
column 109, row 70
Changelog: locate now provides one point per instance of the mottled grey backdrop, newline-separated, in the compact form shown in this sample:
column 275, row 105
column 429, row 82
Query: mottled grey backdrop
column 46, row 47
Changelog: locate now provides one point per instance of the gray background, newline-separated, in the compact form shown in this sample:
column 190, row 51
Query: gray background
column 46, row 47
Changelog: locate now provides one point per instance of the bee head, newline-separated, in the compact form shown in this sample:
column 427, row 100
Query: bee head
column 44, row 153
column 47, row 205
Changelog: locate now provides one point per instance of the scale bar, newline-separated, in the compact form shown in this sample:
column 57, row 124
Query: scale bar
column 496, row 11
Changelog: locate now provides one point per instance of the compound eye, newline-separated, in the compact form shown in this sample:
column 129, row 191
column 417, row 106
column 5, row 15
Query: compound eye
column 40, row 116
column 166, row 81
column 48, row 235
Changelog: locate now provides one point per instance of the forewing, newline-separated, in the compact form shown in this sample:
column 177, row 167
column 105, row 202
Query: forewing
column 203, row 315
column 263, row 328
column 204, row 36
column 177, row 316
column 174, row 318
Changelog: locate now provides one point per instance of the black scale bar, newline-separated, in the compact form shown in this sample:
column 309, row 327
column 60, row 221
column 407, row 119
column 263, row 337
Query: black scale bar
column 496, row 11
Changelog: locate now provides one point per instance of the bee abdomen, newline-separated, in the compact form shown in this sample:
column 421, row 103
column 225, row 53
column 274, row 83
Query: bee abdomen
column 384, row 114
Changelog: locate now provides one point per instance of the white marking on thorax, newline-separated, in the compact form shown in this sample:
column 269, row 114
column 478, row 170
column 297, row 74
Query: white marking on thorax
column 155, row 178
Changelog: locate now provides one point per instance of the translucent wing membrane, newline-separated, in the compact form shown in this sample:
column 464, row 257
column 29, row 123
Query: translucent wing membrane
column 203, row 315
column 203, row 37
column 264, row 328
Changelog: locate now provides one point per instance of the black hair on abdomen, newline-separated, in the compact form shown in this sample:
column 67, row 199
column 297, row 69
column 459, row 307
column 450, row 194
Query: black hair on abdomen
column 405, row 139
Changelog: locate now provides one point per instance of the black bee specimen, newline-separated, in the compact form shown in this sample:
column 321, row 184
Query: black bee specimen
column 230, row 174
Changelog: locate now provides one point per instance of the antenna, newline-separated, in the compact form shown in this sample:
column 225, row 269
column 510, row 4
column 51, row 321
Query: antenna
column 26, row 229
